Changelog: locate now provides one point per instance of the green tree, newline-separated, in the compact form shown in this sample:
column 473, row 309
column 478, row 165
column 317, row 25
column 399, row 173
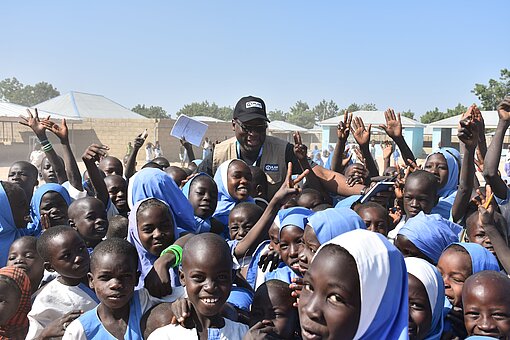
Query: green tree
column 206, row 109
column 150, row 112
column 277, row 115
column 491, row 94
column 368, row 107
column 301, row 115
column 325, row 110
column 432, row 116
column 458, row 110
column 408, row 114
column 353, row 108
column 13, row 91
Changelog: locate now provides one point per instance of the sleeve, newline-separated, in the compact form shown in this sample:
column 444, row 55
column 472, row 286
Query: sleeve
column 291, row 157
column 206, row 165
column 501, row 201
column 73, row 192
column 75, row 331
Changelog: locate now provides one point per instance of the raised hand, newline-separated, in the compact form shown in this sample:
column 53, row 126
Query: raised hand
column 344, row 126
column 61, row 131
column 33, row 122
column 271, row 257
column 300, row 150
column 289, row 187
column 388, row 150
column 360, row 133
column 504, row 109
column 468, row 130
column 262, row 330
column 95, row 153
column 393, row 127
column 296, row 286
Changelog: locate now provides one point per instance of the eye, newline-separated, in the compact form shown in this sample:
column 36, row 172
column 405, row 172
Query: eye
column 336, row 298
column 308, row 287
column 416, row 306
column 500, row 316
column 198, row 278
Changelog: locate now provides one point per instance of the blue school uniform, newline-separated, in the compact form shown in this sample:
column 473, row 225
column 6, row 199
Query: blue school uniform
column 329, row 223
column 35, row 227
column 8, row 231
column 201, row 225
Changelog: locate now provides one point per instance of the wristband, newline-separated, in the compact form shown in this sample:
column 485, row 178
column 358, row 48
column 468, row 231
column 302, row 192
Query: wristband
column 177, row 251
column 43, row 141
column 47, row 147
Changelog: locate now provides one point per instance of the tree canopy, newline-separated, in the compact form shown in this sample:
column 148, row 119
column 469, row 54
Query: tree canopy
column 13, row 91
column 408, row 114
column 206, row 109
column 150, row 112
column 491, row 94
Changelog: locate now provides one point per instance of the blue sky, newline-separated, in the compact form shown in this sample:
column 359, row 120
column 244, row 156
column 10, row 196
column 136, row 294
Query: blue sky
column 403, row 54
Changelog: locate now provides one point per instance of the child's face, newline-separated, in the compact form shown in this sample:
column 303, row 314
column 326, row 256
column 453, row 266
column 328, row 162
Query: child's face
column 476, row 234
column 239, row 181
column 271, row 303
column 117, row 189
column 420, row 312
column 418, row 196
column 309, row 200
column 111, row 166
column 208, row 281
column 408, row 249
column 47, row 172
column 55, row 207
column 310, row 246
column 436, row 164
column 455, row 268
column 9, row 301
column 114, row 279
column 203, row 196
column 23, row 254
column 274, row 241
column 90, row 221
column 291, row 240
column 25, row 177
column 240, row 222
column 375, row 220
column 68, row 255
column 155, row 229
column 330, row 302
column 487, row 309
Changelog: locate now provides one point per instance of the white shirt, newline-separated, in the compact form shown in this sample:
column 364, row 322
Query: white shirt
column 231, row 330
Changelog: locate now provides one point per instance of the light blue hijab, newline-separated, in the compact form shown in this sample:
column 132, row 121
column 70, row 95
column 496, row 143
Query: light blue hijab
column 481, row 258
column 35, row 227
column 433, row 282
column 431, row 234
column 449, row 191
column 383, row 284
column 295, row 216
column 201, row 225
column 225, row 201
column 153, row 182
column 328, row 224
column 8, row 231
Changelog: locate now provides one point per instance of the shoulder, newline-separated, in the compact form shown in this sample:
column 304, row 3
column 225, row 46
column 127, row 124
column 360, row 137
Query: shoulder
column 234, row 330
column 173, row 332
column 75, row 331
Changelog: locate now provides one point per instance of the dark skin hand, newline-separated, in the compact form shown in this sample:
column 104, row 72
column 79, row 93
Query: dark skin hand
column 131, row 161
column 56, row 328
column 262, row 330
column 342, row 131
column 393, row 129
column 362, row 136
column 90, row 157
column 272, row 257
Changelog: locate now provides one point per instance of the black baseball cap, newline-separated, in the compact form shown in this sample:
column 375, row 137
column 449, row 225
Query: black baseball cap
column 249, row 108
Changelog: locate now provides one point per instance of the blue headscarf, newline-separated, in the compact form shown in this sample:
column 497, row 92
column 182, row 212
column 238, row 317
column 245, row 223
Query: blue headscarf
column 481, row 258
column 8, row 230
column 383, row 284
column 145, row 258
column 431, row 234
column 348, row 201
column 296, row 216
column 225, row 201
column 152, row 182
column 201, row 225
column 328, row 224
column 241, row 298
column 431, row 279
column 449, row 191
column 35, row 213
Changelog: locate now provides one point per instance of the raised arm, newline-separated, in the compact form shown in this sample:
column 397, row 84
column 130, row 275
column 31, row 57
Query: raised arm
column 92, row 155
column 393, row 129
column 492, row 158
column 33, row 122
column 387, row 151
column 342, row 132
column 468, row 134
column 362, row 136
column 71, row 167
column 131, row 161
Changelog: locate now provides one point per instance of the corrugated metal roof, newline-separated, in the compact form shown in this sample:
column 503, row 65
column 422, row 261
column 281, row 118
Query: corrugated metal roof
column 208, row 119
column 15, row 110
column 371, row 117
column 86, row 105
column 278, row 125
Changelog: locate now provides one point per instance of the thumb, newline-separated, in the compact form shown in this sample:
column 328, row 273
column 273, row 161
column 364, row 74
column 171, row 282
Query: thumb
column 369, row 128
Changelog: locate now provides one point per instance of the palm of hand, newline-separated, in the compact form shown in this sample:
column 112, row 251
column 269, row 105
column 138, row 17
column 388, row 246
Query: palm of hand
column 394, row 129
column 342, row 131
column 362, row 136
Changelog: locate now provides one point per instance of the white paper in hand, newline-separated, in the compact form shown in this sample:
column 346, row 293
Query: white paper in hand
column 192, row 130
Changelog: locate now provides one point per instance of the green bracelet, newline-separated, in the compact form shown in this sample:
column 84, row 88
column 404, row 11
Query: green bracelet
column 177, row 251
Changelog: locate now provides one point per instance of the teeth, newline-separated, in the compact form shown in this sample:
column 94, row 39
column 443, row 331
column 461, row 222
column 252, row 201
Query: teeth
column 210, row 301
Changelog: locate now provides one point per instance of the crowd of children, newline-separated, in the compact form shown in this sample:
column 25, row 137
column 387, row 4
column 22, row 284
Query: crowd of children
column 172, row 253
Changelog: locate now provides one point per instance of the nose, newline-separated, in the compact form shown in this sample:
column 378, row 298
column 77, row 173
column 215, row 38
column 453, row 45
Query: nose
column 312, row 307
column 210, row 286
column 100, row 221
column 115, row 284
column 303, row 254
column 157, row 234
column 486, row 323
column 293, row 250
column 78, row 259
column 121, row 194
column 20, row 260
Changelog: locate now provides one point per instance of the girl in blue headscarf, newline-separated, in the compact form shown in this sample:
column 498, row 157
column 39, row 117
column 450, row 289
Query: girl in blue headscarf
column 324, row 226
column 152, row 182
column 234, row 181
column 51, row 200
column 355, row 288
column 426, row 236
column 12, row 217
column 458, row 262
column 426, row 295
column 202, row 193
column 292, row 225
column 445, row 164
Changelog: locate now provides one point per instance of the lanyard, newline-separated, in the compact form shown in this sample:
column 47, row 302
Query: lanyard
column 257, row 161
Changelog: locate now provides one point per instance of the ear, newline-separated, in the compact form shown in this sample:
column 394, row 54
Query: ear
column 48, row 266
column 182, row 278
column 233, row 125
column 258, row 190
column 72, row 224
column 91, row 280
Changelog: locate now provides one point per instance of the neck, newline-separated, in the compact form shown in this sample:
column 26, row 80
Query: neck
column 249, row 155
column 69, row 281
column 202, row 322
column 106, row 313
